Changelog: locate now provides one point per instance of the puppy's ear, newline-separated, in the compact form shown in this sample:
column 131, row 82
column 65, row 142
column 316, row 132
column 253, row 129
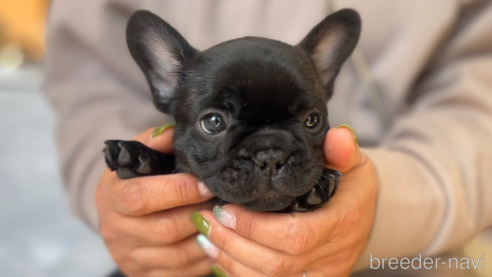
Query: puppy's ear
column 160, row 52
column 330, row 43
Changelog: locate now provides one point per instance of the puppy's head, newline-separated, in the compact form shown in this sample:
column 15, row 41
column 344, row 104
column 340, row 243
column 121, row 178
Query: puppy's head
column 250, row 113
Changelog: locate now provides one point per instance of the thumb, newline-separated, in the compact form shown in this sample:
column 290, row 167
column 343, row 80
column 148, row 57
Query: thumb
column 341, row 148
column 159, row 139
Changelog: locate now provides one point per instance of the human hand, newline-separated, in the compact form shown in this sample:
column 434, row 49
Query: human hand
column 145, row 221
column 325, row 242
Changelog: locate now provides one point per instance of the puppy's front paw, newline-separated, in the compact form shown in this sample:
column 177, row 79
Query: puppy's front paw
column 132, row 159
column 329, row 187
column 319, row 194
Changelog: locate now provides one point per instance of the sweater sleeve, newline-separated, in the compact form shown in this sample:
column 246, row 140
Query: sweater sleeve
column 97, row 91
column 435, row 165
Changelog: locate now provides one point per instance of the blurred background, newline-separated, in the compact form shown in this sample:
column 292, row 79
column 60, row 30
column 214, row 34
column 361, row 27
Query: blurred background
column 38, row 235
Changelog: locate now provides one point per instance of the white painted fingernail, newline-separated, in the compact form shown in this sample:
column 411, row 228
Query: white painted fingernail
column 203, row 190
column 207, row 246
column 225, row 217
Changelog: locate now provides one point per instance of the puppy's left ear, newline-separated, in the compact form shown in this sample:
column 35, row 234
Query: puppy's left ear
column 330, row 43
column 161, row 53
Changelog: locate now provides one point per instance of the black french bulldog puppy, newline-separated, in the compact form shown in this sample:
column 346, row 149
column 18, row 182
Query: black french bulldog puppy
column 250, row 113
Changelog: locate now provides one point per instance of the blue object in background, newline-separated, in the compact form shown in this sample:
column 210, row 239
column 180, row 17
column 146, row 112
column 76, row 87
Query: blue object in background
column 38, row 235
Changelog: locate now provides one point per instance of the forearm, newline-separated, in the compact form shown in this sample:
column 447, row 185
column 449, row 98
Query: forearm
column 434, row 168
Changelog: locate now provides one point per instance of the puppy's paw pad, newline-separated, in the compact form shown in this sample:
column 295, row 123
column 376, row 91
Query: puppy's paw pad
column 124, row 157
column 144, row 166
column 111, row 152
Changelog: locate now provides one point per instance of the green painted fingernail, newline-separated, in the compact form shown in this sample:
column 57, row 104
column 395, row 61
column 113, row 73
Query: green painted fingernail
column 159, row 130
column 217, row 271
column 226, row 217
column 200, row 223
column 351, row 129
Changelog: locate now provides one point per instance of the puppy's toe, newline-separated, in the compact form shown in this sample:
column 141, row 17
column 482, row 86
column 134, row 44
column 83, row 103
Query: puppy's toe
column 124, row 157
column 125, row 173
column 334, row 175
column 334, row 179
column 297, row 207
column 314, row 198
column 111, row 152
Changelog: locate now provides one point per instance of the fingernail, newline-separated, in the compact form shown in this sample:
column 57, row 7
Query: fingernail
column 203, row 190
column 225, row 217
column 159, row 130
column 200, row 223
column 217, row 271
column 351, row 129
column 207, row 246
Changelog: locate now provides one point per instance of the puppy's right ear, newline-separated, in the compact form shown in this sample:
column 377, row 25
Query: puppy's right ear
column 330, row 43
column 160, row 52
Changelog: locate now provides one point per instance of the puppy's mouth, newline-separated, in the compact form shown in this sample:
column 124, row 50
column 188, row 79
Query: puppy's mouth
column 272, row 195
column 317, row 195
column 278, row 197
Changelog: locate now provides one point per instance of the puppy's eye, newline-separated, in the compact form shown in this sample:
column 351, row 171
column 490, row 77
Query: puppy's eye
column 311, row 121
column 212, row 124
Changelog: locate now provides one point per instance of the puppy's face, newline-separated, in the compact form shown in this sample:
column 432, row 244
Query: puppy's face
column 250, row 113
column 251, row 119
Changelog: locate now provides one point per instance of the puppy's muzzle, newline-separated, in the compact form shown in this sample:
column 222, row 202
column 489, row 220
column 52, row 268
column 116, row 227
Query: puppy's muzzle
column 270, row 161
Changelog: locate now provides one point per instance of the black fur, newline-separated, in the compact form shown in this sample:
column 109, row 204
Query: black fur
column 266, row 159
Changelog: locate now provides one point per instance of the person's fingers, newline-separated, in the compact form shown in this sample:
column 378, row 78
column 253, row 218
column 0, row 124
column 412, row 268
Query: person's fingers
column 231, row 267
column 226, row 265
column 200, row 268
column 145, row 195
column 341, row 149
column 159, row 138
column 290, row 233
column 177, row 255
column 246, row 251
column 160, row 228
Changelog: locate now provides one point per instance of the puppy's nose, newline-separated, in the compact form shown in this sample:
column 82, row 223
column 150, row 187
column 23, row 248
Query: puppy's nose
column 270, row 160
